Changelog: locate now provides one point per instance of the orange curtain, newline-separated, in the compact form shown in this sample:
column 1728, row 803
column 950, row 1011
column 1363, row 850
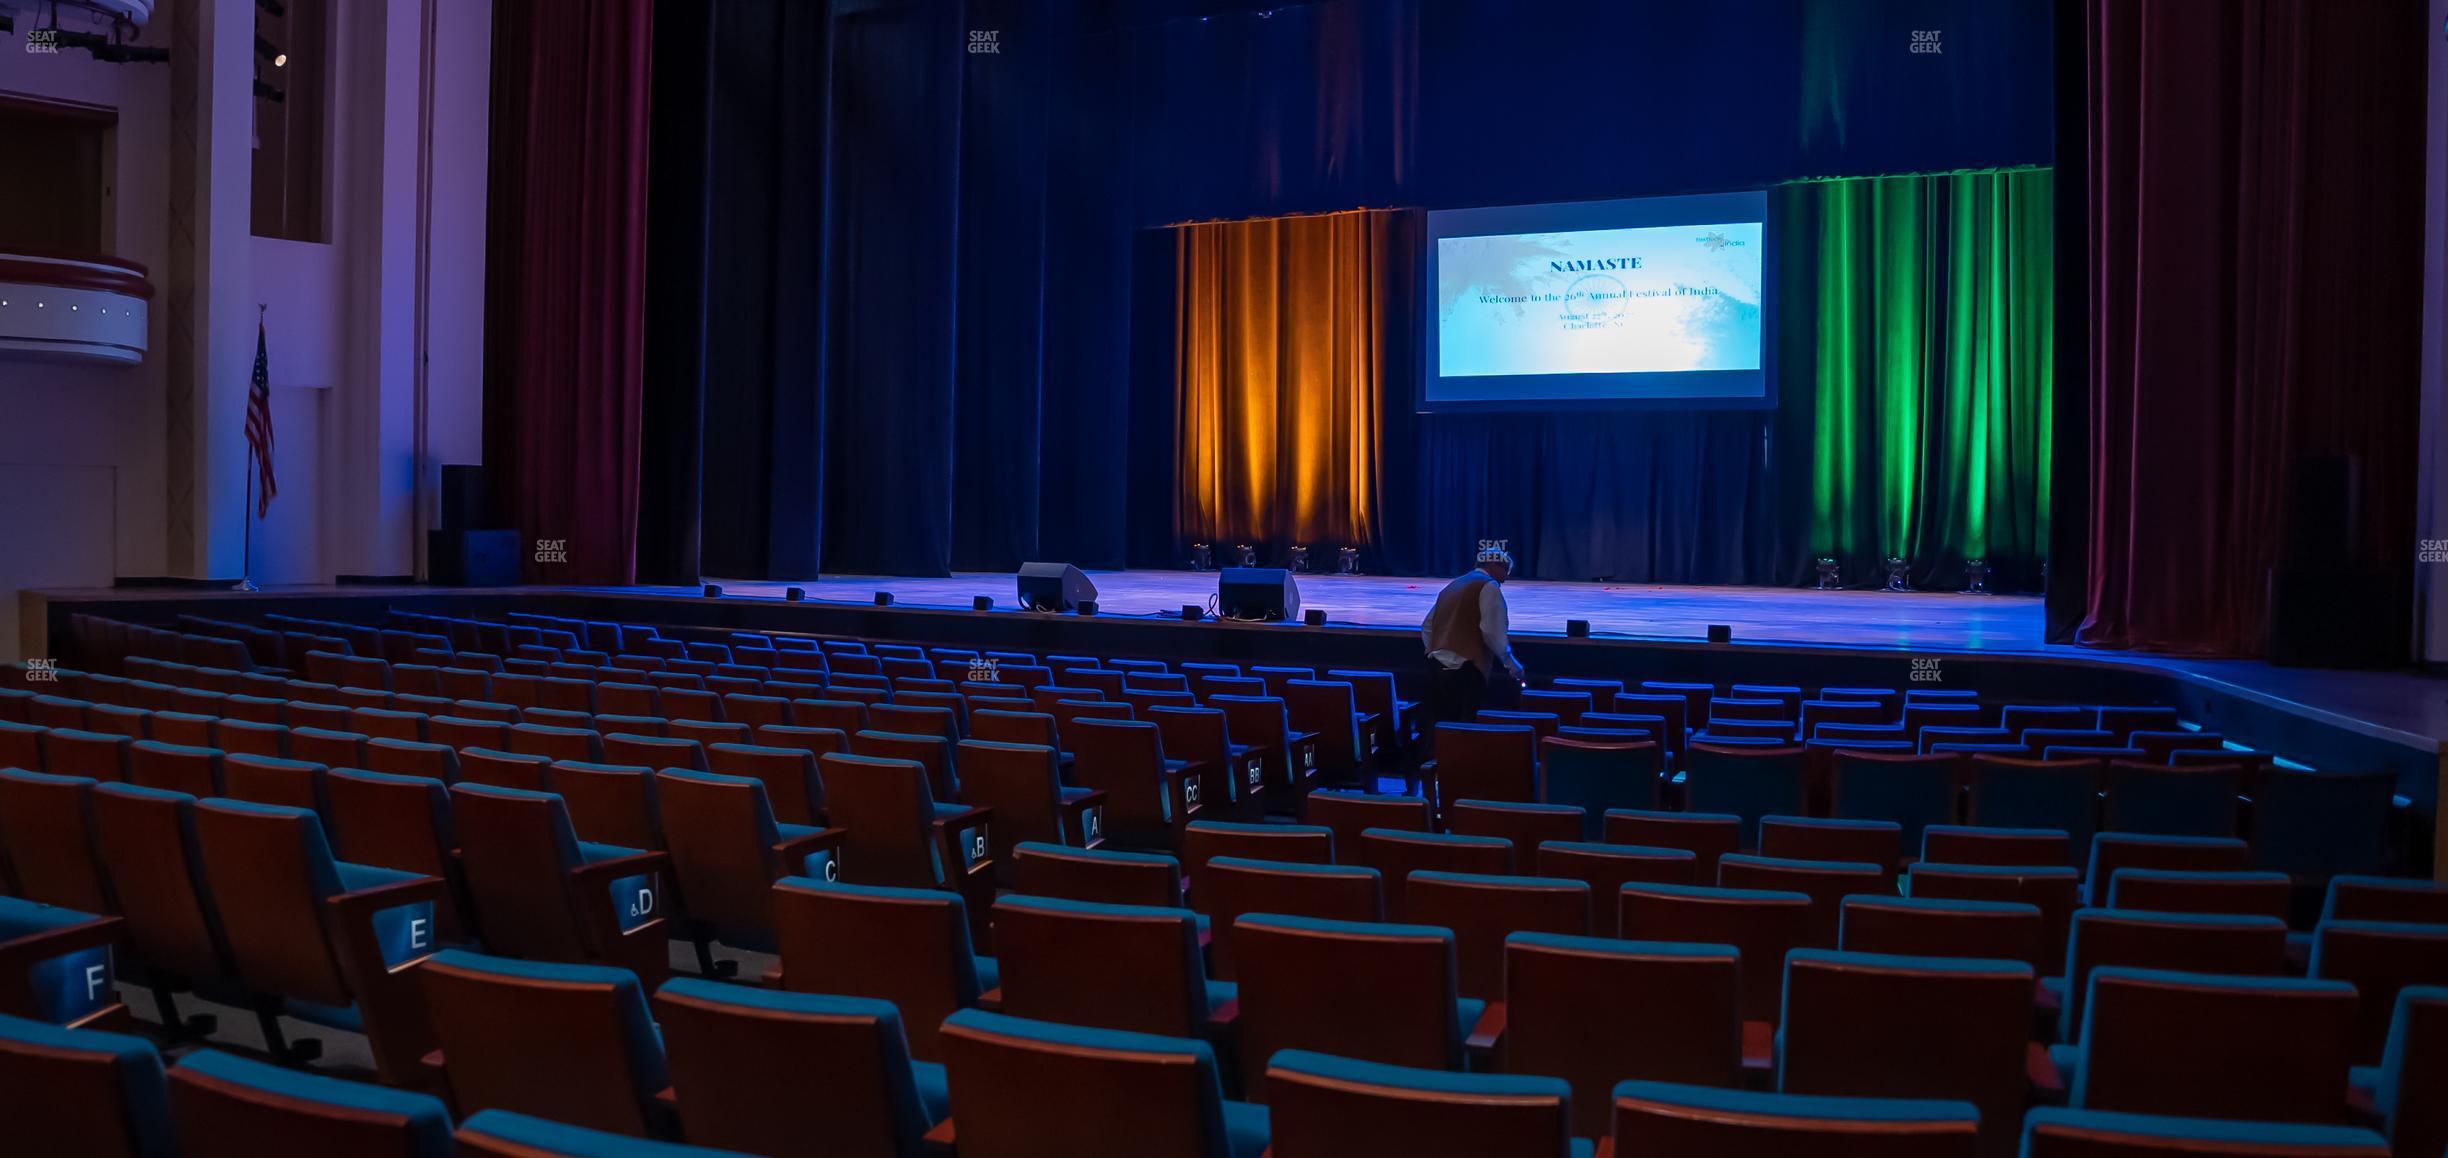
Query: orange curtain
column 1279, row 369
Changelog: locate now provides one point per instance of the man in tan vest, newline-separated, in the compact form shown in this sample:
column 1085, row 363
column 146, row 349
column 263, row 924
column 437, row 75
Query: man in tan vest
column 1465, row 638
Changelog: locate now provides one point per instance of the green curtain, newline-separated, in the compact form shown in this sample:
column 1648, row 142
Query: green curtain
column 1918, row 315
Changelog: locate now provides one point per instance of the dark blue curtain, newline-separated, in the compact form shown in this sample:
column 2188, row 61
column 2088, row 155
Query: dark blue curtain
column 964, row 359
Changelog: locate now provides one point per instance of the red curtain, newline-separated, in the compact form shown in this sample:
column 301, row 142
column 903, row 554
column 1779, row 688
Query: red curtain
column 2256, row 199
column 565, row 292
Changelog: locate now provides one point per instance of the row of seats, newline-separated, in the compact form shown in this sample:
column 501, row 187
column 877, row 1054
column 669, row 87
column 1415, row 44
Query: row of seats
column 1373, row 696
column 108, row 1094
column 2381, row 935
column 1593, row 1009
column 1373, row 690
column 1030, row 931
column 1288, row 759
column 943, row 777
column 1689, row 707
column 1460, row 909
column 797, row 1074
column 2316, row 822
column 2323, row 817
column 617, row 804
column 1474, row 897
column 1754, row 783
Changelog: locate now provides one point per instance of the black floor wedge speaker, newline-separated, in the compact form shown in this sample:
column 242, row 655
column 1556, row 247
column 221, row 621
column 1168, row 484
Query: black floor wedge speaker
column 1054, row 587
column 1257, row 593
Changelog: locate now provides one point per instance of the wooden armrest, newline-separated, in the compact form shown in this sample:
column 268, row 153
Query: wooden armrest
column 101, row 930
column 797, row 848
column 1759, row 1047
column 668, row 1099
column 940, row 1139
column 380, row 897
column 355, row 940
column 1300, row 756
column 639, row 946
column 949, row 829
column 2361, row 1109
column 1075, row 813
column 1223, row 1017
column 21, row 956
column 604, row 872
column 991, row 1000
column 2042, row 1072
column 1490, row 1030
column 965, row 817
column 1181, row 784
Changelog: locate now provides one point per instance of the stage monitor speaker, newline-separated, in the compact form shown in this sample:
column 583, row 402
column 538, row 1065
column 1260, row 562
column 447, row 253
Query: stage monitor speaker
column 462, row 498
column 1054, row 587
column 464, row 558
column 1256, row 593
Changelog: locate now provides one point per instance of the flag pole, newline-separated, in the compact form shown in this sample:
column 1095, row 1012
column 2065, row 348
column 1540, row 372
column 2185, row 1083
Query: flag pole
column 246, row 514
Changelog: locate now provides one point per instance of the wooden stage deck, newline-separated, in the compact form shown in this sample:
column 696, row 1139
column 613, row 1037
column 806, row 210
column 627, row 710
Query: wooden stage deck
column 1920, row 619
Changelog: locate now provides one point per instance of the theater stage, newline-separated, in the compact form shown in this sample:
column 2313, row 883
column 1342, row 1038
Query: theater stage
column 1633, row 611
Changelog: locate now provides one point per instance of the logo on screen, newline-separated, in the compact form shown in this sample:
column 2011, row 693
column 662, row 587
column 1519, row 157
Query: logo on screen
column 1714, row 241
column 1595, row 299
column 1926, row 42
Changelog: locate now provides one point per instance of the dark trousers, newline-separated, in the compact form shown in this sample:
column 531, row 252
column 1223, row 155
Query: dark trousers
column 1455, row 695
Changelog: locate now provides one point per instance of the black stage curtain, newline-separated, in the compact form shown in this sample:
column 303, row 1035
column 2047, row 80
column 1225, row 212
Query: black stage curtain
column 914, row 289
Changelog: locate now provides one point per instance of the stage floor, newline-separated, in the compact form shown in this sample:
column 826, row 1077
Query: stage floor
column 1945, row 621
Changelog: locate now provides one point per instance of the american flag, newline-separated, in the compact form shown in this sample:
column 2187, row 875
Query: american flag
column 259, row 424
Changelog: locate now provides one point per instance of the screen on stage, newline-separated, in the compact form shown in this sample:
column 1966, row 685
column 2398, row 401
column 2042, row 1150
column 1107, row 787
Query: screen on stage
column 1653, row 302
